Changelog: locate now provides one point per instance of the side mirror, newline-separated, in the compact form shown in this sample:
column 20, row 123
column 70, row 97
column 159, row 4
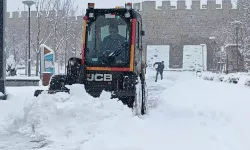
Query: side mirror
column 142, row 32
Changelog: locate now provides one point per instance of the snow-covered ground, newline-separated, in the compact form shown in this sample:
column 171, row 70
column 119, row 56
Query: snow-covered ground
column 186, row 113
column 240, row 78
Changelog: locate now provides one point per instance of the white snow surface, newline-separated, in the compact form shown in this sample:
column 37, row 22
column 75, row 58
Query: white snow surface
column 190, row 114
column 242, row 77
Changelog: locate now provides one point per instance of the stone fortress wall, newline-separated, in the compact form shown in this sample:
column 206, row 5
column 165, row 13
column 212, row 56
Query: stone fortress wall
column 176, row 27
column 164, row 25
column 17, row 33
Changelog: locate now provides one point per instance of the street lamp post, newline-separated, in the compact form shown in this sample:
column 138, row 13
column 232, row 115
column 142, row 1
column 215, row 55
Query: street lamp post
column 237, row 42
column 29, row 3
column 66, row 44
column 3, row 95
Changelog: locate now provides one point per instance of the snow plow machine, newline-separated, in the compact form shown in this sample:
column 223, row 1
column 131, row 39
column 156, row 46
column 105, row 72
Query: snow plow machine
column 112, row 58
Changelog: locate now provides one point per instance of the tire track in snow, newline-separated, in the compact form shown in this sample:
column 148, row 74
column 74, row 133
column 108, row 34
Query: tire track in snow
column 156, row 88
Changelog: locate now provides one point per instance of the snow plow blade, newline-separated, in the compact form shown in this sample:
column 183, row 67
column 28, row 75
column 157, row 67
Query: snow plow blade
column 38, row 92
column 57, row 84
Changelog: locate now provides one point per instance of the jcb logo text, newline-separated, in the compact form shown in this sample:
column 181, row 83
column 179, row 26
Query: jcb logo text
column 99, row 77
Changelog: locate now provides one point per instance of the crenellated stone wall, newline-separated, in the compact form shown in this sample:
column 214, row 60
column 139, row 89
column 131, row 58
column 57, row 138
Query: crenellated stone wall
column 179, row 26
column 17, row 33
column 165, row 25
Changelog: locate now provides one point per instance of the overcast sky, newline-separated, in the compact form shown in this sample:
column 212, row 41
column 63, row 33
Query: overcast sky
column 15, row 5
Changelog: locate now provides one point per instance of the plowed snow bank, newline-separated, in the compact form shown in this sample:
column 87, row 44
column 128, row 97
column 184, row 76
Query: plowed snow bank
column 62, row 116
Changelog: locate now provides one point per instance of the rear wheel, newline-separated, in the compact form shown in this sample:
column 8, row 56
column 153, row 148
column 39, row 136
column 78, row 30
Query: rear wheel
column 73, row 71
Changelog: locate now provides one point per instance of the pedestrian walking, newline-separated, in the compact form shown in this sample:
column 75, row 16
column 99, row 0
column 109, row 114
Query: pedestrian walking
column 159, row 69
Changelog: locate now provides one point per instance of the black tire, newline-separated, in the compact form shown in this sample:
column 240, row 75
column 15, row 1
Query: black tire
column 73, row 71
column 37, row 92
column 57, row 82
column 129, row 101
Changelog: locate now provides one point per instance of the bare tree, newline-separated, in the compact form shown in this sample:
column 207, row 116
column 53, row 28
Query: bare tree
column 51, row 16
column 16, row 42
column 61, row 27
column 230, row 35
column 43, row 27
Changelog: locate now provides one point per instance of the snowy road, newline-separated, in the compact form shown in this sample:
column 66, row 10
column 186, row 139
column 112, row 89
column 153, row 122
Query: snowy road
column 186, row 113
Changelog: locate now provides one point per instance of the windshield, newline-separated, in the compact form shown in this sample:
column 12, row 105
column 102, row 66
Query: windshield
column 108, row 40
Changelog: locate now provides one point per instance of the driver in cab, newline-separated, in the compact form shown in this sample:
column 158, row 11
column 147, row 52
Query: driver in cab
column 113, row 41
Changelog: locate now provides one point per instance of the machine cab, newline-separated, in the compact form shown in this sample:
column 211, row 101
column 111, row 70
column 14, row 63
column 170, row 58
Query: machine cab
column 110, row 39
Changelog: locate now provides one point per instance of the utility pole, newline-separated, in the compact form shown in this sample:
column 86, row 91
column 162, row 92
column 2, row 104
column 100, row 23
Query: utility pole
column 3, row 95
column 237, row 55
column 38, row 41
column 29, row 3
column 66, row 45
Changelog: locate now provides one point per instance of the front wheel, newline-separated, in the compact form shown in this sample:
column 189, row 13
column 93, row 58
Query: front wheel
column 93, row 92
column 141, row 99
column 57, row 82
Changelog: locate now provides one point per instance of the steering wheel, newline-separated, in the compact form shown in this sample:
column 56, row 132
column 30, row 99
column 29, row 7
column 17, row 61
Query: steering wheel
column 108, row 56
column 106, row 53
column 105, row 56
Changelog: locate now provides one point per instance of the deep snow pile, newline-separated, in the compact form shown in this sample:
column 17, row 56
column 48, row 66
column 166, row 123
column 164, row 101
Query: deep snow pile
column 192, row 114
column 237, row 78
column 67, row 116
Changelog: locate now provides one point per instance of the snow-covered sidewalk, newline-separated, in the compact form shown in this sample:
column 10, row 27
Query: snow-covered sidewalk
column 191, row 114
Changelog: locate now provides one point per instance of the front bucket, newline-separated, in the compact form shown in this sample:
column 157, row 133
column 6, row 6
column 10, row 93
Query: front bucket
column 38, row 92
